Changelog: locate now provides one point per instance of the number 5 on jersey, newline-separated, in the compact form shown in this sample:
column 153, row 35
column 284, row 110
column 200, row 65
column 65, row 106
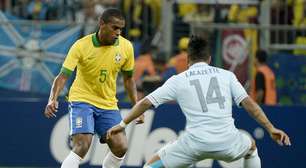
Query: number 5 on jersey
column 102, row 76
column 209, row 99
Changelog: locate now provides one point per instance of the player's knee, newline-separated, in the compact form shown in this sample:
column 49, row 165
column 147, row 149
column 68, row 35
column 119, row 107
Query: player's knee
column 118, row 146
column 81, row 144
column 81, row 148
column 120, row 150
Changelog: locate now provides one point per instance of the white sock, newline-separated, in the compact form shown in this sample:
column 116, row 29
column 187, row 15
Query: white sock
column 253, row 161
column 112, row 161
column 72, row 161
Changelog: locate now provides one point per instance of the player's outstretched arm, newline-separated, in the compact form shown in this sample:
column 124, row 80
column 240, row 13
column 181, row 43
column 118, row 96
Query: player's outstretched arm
column 57, row 87
column 136, row 111
column 257, row 113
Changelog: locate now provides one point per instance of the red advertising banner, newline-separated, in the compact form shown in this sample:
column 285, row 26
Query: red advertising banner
column 235, row 54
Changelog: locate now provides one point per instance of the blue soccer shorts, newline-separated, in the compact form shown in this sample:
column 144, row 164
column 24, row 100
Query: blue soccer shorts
column 86, row 118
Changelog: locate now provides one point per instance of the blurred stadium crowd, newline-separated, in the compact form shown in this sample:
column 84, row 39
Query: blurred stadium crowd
column 276, row 26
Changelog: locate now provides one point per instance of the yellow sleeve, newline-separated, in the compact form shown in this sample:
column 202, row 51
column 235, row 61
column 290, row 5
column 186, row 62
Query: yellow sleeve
column 72, row 58
column 128, row 66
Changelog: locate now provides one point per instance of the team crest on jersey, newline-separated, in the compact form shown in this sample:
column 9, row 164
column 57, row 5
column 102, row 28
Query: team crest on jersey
column 117, row 58
column 78, row 122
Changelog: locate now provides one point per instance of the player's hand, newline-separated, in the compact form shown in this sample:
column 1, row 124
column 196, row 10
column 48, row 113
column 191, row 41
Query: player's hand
column 140, row 119
column 280, row 137
column 51, row 109
column 114, row 130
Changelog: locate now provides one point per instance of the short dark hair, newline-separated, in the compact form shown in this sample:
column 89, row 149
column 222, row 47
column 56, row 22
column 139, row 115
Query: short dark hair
column 109, row 13
column 261, row 56
column 198, row 48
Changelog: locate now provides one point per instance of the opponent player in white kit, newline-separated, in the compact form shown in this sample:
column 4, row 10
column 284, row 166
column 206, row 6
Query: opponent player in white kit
column 205, row 95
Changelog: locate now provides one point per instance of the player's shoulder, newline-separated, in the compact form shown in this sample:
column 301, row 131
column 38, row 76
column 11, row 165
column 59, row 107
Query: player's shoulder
column 83, row 41
column 224, row 71
column 123, row 39
column 124, row 42
column 172, row 79
column 178, row 78
column 86, row 39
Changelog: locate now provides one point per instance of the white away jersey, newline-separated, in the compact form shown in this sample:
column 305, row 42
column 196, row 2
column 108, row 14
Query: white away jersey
column 205, row 95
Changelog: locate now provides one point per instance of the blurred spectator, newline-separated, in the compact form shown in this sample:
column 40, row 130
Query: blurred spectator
column 185, row 8
column 299, row 20
column 221, row 13
column 144, row 14
column 91, row 10
column 20, row 9
column 163, row 70
column 69, row 8
column 4, row 4
column 150, row 70
column 263, row 89
column 243, row 14
column 152, row 82
column 281, row 14
column 180, row 61
column 144, row 65
column 52, row 12
column 37, row 10
column 134, row 36
column 299, row 13
column 203, row 13
column 301, row 40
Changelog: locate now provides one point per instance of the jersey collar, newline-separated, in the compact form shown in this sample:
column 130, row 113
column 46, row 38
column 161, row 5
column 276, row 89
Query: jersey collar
column 198, row 64
column 97, row 43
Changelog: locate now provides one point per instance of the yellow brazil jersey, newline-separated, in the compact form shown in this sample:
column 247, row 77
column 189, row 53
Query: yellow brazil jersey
column 97, row 70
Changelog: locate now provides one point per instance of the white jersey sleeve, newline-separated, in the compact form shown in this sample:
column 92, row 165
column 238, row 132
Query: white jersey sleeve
column 237, row 90
column 163, row 94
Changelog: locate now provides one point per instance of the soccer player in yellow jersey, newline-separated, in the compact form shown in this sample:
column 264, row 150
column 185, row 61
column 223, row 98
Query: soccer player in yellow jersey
column 98, row 57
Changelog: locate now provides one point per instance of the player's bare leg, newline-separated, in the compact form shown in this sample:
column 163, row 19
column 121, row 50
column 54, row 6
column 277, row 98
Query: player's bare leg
column 81, row 144
column 252, row 160
column 154, row 162
column 118, row 146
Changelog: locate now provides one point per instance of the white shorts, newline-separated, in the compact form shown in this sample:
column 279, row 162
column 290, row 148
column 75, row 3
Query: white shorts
column 185, row 151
